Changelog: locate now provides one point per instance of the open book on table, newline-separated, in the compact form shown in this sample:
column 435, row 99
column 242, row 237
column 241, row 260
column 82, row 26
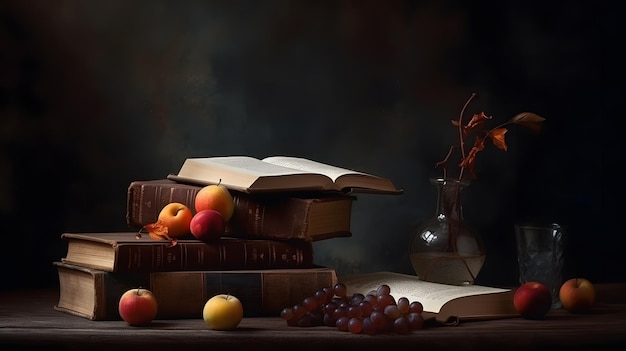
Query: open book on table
column 279, row 173
column 447, row 304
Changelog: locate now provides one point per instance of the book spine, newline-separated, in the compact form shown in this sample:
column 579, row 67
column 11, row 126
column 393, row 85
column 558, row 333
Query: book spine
column 145, row 199
column 253, row 217
column 183, row 294
column 103, row 288
column 274, row 218
column 226, row 254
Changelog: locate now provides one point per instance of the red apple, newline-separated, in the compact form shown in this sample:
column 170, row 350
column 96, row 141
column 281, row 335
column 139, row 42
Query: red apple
column 215, row 197
column 138, row 306
column 176, row 217
column 532, row 300
column 207, row 225
column 577, row 295
column 222, row 312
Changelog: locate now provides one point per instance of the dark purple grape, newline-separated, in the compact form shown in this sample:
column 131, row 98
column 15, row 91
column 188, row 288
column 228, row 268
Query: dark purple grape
column 392, row 312
column 416, row 307
column 329, row 307
column 354, row 312
column 328, row 320
column 298, row 311
column 310, row 303
column 305, row 321
column 403, row 305
column 380, row 320
column 317, row 317
column 366, row 308
column 383, row 289
column 416, row 320
column 329, row 292
column 340, row 290
column 401, row 325
column 368, row 327
column 356, row 298
column 384, row 300
column 342, row 323
column 321, row 297
column 340, row 312
column 355, row 325
column 287, row 313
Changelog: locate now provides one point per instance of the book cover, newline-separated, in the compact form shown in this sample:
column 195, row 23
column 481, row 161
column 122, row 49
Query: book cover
column 261, row 292
column 305, row 216
column 280, row 173
column 94, row 294
column 447, row 304
column 125, row 252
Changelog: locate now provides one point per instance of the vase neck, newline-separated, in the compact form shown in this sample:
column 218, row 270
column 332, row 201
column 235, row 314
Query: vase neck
column 449, row 198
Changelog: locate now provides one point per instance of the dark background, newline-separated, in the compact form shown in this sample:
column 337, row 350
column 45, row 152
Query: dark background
column 96, row 94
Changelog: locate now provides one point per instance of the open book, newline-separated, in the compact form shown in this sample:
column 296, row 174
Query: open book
column 448, row 304
column 279, row 173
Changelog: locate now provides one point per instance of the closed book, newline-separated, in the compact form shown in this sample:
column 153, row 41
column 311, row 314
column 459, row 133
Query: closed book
column 94, row 294
column 305, row 216
column 125, row 252
column 183, row 294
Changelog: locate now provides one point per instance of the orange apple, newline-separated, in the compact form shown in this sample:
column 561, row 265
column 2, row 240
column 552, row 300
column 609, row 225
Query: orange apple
column 207, row 225
column 215, row 197
column 532, row 300
column 177, row 218
column 222, row 312
column 138, row 306
column 577, row 295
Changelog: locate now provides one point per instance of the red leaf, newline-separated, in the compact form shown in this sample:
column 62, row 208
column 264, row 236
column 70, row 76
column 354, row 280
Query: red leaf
column 157, row 231
column 497, row 137
column 470, row 160
column 476, row 121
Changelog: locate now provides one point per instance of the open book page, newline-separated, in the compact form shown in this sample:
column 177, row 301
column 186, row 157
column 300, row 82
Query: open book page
column 247, row 173
column 345, row 179
column 306, row 165
column 279, row 173
column 251, row 165
column 432, row 295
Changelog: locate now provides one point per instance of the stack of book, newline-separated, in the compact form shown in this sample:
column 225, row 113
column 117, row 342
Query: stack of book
column 282, row 206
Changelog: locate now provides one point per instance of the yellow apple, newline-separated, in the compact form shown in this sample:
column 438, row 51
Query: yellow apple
column 177, row 218
column 577, row 295
column 222, row 312
column 215, row 197
column 137, row 306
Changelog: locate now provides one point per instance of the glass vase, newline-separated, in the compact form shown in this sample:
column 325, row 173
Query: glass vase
column 446, row 248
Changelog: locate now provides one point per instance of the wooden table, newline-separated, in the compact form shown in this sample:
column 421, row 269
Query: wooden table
column 27, row 320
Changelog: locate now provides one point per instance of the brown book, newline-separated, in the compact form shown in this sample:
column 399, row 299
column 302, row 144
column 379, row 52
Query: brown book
column 94, row 294
column 262, row 292
column 447, row 304
column 309, row 217
column 124, row 252
column 279, row 173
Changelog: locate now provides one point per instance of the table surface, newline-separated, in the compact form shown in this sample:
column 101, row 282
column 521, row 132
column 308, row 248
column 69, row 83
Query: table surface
column 27, row 319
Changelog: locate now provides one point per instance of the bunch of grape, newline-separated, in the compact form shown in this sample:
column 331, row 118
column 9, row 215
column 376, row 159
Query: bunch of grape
column 376, row 312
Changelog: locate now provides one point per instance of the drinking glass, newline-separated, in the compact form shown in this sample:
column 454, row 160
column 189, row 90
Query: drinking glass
column 540, row 256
